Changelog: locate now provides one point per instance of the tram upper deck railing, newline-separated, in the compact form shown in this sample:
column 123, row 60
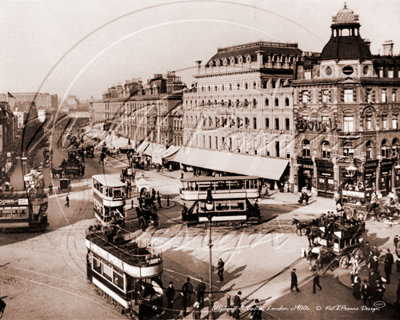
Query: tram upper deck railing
column 233, row 187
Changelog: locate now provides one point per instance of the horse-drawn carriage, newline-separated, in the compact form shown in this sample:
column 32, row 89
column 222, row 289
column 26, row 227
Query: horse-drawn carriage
column 337, row 245
column 90, row 151
column 147, row 217
column 112, row 152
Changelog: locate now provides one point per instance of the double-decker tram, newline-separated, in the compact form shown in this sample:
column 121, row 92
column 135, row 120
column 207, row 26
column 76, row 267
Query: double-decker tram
column 109, row 195
column 125, row 273
column 234, row 198
column 25, row 210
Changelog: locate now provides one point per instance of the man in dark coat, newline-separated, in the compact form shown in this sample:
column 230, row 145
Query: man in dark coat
column 374, row 266
column 158, row 199
column 237, row 304
column 388, row 265
column 294, row 281
column 67, row 201
column 366, row 293
column 256, row 312
column 187, row 290
column 170, row 293
column 379, row 290
column 365, row 248
column 316, row 281
column 398, row 293
column 375, row 251
column 200, row 289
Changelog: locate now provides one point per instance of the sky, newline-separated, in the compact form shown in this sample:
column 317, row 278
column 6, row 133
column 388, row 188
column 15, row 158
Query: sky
column 83, row 47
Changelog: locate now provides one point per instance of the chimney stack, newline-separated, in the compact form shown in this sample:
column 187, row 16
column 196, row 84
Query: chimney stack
column 388, row 48
column 198, row 66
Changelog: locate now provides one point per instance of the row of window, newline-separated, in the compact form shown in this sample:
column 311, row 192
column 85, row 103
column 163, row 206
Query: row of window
column 349, row 95
column 113, row 192
column 108, row 272
column 13, row 213
column 248, row 59
column 387, row 151
column 239, row 122
column 236, row 103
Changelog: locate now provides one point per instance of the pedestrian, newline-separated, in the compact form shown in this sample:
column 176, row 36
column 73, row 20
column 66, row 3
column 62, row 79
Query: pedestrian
column 237, row 304
column 294, row 280
column 170, row 293
column 140, row 200
column 398, row 293
column 196, row 310
column 379, row 290
column 316, row 282
column 365, row 248
column 187, row 290
column 220, row 268
column 67, row 201
column 158, row 199
column 356, row 287
column 374, row 266
column 388, row 265
column 182, row 175
column 396, row 241
column 366, row 293
column 50, row 188
column 255, row 312
column 375, row 251
column 200, row 289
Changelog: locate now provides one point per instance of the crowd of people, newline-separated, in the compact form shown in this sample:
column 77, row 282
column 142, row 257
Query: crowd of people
column 373, row 288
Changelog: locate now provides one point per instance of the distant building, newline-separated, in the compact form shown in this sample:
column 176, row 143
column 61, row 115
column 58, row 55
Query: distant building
column 42, row 100
column 54, row 101
column 72, row 102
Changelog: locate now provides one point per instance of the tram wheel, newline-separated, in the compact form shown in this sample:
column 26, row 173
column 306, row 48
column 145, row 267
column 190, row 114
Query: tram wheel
column 344, row 262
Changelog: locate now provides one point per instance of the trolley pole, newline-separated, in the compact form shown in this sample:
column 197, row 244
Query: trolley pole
column 210, row 296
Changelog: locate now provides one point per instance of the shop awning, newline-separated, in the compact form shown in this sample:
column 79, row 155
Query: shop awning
column 143, row 146
column 120, row 142
column 170, row 151
column 156, row 155
column 268, row 168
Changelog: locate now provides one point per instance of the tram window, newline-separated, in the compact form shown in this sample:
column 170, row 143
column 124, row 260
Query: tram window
column 7, row 213
column 106, row 211
column 22, row 213
column 97, row 265
column 109, row 192
column 15, row 213
column 118, row 280
column 107, row 272
column 117, row 193
column 130, row 284
column 1, row 214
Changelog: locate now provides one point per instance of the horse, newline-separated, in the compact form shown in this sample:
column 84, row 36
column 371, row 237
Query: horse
column 312, row 232
column 300, row 225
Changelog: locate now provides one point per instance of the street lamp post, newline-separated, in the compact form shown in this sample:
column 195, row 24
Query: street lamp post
column 24, row 160
column 210, row 208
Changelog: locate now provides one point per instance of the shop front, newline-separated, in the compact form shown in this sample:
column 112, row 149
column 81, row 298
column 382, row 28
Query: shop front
column 351, row 179
column 325, row 178
column 370, row 168
column 305, row 173
column 385, row 178
column 397, row 181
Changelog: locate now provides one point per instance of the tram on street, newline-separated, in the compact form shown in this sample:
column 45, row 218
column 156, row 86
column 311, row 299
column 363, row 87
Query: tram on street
column 109, row 195
column 20, row 210
column 126, row 274
column 234, row 198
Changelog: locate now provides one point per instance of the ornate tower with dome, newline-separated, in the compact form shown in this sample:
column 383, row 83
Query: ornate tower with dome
column 346, row 112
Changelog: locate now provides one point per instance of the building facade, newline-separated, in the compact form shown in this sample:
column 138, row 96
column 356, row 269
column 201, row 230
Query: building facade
column 142, row 111
column 42, row 100
column 241, row 101
column 346, row 111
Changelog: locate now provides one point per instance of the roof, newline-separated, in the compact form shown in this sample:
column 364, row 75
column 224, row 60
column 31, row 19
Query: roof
column 251, row 49
column 226, row 178
column 351, row 47
column 243, row 164
column 109, row 180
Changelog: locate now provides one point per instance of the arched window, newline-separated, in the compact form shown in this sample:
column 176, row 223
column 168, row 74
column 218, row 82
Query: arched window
column 232, row 61
column 229, row 103
column 368, row 150
column 215, row 88
column 246, row 103
column 266, row 102
column 246, row 86
column 238, row 86
column 287, row 102
column 254, row 85
column 254, row 103
column 276, row 102
column 237, row 102
column 348, row 149
column 222, row 103
column 230, row 86
column 385, row 149
column 395, row 147
column 326, row 150
column 222, row 87
column 209, row 88
column 306, row 148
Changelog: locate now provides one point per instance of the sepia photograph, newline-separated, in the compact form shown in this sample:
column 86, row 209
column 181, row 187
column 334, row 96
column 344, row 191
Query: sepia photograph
column 199, row 159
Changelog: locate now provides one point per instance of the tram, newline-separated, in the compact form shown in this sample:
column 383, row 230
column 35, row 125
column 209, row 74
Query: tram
column 25, row 209
column 234, row 198
column 109, row 195
column 125, row 273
